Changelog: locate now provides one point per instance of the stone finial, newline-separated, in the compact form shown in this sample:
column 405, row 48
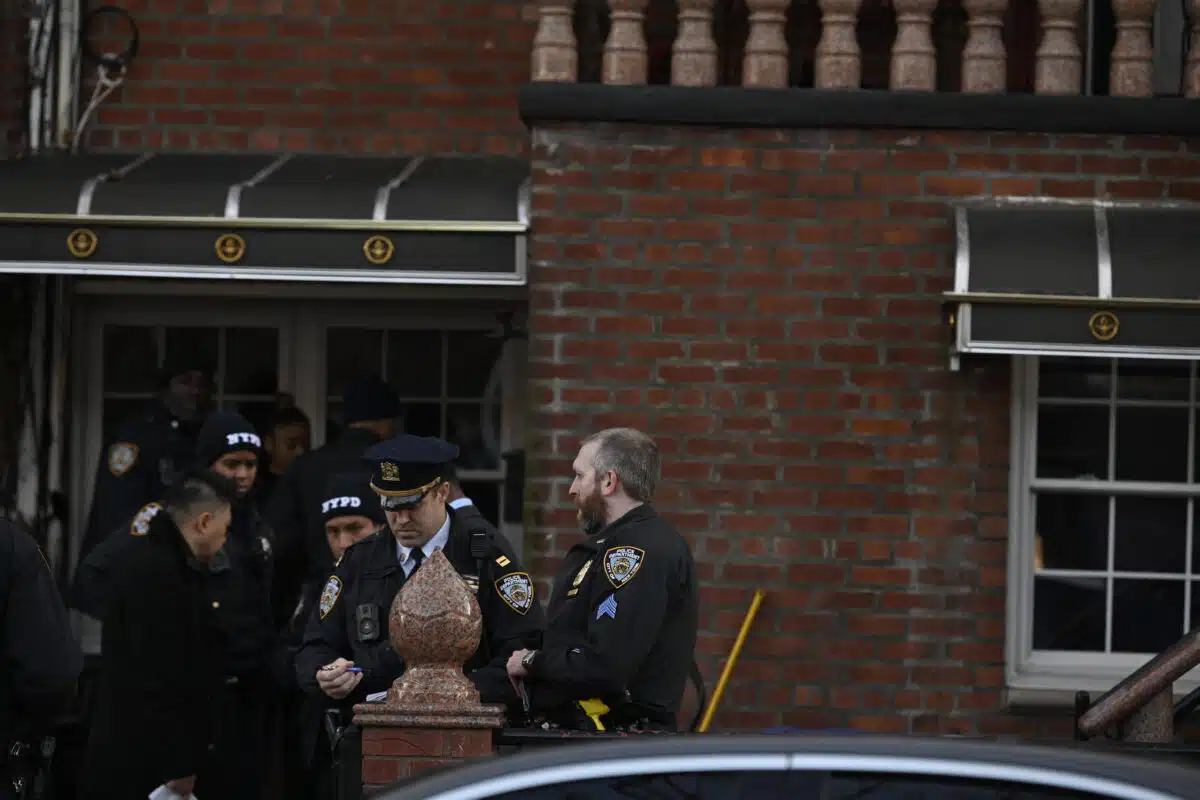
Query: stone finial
column 1059, row 60
column 625, row 56
column 914, row 57
column 984, row 63
column 1132, row 71
column 435, row 626
column 694, row 55
column 555, row 51
column 766, row 61
column 839, row 63
column 1191, row 77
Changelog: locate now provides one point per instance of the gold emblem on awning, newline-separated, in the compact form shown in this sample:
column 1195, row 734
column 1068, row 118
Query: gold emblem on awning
column 379, row 250
column 82, row 243
column 1104, row 326
column 230, row 248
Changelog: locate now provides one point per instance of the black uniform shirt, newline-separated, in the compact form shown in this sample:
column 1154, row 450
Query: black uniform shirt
column 622, row 618
column 369, row 576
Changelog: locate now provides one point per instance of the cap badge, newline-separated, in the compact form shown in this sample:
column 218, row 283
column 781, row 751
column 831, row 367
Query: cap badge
column 389, row 471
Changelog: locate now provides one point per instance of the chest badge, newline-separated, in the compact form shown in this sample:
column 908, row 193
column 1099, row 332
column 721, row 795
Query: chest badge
column 622, row 563
column 516, row 589
column 472, row 582
column 329, row 595
column 141, row 520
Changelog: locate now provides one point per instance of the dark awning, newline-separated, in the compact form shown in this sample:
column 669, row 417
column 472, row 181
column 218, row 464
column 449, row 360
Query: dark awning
column 397, row 219
column 1086, row 279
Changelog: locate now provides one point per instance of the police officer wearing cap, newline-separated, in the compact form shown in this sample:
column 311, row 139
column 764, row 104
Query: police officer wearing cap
column 351, row 512
column 350, row 625
column 41, row 659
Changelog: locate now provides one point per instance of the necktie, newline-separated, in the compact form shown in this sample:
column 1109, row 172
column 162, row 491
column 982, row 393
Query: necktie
column 418, row 557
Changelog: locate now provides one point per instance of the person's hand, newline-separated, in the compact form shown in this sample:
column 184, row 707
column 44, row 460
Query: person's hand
column 183, row 786
column 517, row 670
column 335, row 681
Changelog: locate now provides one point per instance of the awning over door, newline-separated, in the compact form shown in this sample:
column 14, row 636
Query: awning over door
column 448, row 220
column 1086, row 279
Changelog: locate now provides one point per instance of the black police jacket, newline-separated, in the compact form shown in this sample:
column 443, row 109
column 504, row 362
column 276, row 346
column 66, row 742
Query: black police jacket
column 162, row 673
column 293, row 512
column 42, row 662
column 146, row 454
column 369, row 576
column 621, row 621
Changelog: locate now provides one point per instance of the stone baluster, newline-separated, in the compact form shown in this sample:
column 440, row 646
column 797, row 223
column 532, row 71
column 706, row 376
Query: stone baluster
column 1059, row 60
column 766, row 62
column 694, row 55
column 914, row 58
column 432, row 714
column 625, row 57
column 984, row 65
column 1191, row 77
column 839, row 63
column 1132, row 72
column 555, row 52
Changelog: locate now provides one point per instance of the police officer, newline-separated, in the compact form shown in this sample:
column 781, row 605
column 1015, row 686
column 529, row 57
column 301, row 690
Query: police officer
column 369, row 409
column 352, row 512
column 42, row 662
column 350, row 629
column 623, row 612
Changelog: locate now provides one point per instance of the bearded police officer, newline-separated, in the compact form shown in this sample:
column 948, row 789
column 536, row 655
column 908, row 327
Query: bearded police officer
column 350, row 626
column 623, row 611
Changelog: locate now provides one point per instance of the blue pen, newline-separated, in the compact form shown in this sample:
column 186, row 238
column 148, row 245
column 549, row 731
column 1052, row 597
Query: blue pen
column 353, row 669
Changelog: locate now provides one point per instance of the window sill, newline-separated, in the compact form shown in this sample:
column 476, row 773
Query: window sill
column 738, row 107
column 1045, row 690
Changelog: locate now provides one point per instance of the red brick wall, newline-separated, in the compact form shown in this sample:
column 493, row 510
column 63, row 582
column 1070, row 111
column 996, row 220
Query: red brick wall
column 14, row 26
column 767, row 303
column 324, row 75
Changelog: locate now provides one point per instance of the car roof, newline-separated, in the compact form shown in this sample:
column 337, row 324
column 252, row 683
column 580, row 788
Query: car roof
column 1084, row 767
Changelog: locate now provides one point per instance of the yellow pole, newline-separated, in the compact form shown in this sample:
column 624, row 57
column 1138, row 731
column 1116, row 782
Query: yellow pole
column 733, row 657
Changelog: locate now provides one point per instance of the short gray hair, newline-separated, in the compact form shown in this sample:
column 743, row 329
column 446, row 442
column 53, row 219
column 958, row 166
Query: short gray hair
column 632, row 455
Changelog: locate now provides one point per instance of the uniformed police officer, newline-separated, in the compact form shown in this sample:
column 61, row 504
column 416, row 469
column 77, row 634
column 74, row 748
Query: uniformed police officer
column 41, row 659
column 623, row 611
column 352, row 512
column 369, row 410
column 350, row 628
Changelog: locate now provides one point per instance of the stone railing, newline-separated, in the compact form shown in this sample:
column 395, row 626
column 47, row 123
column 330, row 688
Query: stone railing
column 838, row 57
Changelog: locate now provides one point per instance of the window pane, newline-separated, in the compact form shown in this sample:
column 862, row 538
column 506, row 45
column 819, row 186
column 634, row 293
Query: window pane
column 251, row 361
column 1073, row 529
column 1147, row 615
column 1154, row 380
column 1152, row 444
column 472, row 355
column 423, row 419
column 465, row 427
column 333, row 420
column 486, row 497
column 130, row 359
column 1075, row 378
column 349, row 354
column 193, row 346
column 1072, row 442
column 887, row 786
column 1151, row 534
column 1068, row 613
column 415, row 363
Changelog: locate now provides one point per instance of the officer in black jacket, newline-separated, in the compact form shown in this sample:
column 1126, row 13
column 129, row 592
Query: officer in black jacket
column 369, row 410
column 623, row 609
column 350, row 626
column 41, row 660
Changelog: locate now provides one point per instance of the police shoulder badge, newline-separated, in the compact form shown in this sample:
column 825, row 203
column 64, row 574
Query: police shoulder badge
column 329, row 595
column 516, row 589
column 141, row 520
column 622, row 563
column 122, row 457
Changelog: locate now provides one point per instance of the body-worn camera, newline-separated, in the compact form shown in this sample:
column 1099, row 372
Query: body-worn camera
column 366, row 619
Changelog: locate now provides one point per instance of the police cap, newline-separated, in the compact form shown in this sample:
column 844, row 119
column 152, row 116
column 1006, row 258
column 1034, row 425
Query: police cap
column 406, row 468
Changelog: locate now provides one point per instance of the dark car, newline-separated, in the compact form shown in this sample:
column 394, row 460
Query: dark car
column 810, row 767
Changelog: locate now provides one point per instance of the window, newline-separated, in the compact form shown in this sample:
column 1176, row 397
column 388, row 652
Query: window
column 887, row 786
column 680, row 786
column 450, row 385
column 1106, row 475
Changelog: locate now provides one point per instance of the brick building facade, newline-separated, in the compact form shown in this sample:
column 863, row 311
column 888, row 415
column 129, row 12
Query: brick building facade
column 767, row 301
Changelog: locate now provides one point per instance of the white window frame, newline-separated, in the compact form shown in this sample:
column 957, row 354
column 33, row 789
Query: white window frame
column 1041, row 677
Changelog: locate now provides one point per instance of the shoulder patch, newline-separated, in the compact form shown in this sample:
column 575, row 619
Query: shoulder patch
column 503, row 561
column 516, row 589
column 141, row 520
column 622, row 563
column 122, row 457
column 329, row 595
